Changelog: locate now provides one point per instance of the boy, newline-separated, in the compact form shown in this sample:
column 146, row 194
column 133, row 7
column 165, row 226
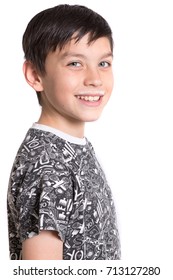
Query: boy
column 59, row 203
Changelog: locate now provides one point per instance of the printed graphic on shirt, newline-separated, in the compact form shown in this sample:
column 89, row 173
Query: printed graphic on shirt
column 58, row 185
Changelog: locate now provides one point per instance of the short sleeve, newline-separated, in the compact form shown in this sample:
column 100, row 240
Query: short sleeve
column 45, row 201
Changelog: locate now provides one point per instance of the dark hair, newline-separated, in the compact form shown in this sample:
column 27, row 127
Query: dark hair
column 54, row 27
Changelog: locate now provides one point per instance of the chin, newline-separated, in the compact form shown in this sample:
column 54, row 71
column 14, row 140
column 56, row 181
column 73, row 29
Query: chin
column 92, row 119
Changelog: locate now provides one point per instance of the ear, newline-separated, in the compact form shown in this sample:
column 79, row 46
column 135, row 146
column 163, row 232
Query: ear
column 32, row 77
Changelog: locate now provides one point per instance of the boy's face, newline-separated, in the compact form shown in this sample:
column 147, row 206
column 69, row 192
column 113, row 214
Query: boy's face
column 78, row 82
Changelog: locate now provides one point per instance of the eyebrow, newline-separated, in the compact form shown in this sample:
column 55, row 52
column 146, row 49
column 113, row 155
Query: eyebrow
column 70, row 54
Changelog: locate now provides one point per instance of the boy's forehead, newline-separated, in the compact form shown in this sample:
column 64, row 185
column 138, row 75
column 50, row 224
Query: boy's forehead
column 75, row 45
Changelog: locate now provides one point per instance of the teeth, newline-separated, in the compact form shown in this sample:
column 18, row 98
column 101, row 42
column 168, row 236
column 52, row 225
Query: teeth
column 88, row 98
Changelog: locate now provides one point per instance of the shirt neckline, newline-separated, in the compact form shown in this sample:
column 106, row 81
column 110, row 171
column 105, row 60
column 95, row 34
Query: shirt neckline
column 65, row 136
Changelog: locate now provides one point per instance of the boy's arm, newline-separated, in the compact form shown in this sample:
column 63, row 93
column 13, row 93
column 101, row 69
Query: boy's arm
column 44, row 246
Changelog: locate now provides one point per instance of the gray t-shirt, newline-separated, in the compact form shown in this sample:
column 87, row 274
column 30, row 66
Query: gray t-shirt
column 57, row 184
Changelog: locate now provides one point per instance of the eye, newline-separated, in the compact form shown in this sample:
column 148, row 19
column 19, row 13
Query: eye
column 104, row 64
column 74, row 64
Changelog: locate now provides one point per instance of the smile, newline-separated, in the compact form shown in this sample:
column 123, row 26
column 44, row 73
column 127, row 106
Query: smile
column 89, row 98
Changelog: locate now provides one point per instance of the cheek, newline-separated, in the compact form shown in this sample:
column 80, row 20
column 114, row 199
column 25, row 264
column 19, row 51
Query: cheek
column 63, row 90
column 68, row 82
column 108, row 81
column 110, row 85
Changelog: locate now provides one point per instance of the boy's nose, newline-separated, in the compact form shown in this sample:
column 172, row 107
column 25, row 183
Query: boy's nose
column 92, row 78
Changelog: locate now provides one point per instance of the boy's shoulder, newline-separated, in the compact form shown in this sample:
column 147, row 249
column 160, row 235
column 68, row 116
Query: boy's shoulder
column 52, row 145
column 42, row 146
column 37, row 139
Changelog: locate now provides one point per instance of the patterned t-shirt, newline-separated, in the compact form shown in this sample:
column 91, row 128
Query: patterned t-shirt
column 57, row 184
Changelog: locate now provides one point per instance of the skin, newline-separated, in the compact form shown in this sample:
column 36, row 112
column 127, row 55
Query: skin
column 77, row 69
column 80, row 71
column 44, row 246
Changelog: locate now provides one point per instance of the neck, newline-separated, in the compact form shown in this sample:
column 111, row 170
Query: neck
column 72, row 127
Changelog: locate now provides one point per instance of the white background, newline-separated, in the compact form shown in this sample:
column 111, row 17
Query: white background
column 134, row 136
